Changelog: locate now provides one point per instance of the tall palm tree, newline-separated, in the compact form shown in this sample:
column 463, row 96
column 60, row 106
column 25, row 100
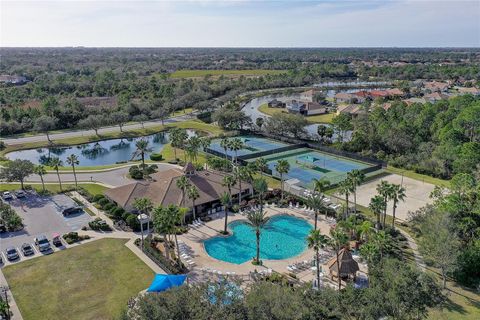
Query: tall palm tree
column 225, row 201
column 282, row 168
column 345, row 188
column 356, row 177
column 56, row 163
column 205, row 142
column 317, row 241
column 183, row 183
column 383, row 190
column 162, row 222
column 240, row 173
column 229, row 181
column 260, row 186
column 257, row 219
column 144, row 206
column 338, row 239
column 225, row 144
column 236, row 144
column 193, row 145
column 193, row 194
column 262, row 165
column 73, row 161
column 41, row 171
column 377, row 205
column 142, row 148
column 317, row 203
column 396, row 194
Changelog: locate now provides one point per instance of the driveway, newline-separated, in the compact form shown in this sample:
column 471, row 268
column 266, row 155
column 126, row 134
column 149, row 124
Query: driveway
column 42, row 215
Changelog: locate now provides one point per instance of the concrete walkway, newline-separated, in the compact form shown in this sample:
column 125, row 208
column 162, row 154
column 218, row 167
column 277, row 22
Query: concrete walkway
column 16, row 315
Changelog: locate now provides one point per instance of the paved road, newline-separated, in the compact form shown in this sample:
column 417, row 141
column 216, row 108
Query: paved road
column 80, row 133
column 114, row 178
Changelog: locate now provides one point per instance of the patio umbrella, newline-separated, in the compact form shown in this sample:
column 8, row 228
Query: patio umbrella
column 163, row 282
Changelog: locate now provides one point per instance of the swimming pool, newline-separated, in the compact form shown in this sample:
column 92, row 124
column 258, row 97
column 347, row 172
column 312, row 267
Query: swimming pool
column 283, row 237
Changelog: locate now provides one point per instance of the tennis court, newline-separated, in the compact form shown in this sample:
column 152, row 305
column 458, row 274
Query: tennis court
column 251, row 145
column 307, row 164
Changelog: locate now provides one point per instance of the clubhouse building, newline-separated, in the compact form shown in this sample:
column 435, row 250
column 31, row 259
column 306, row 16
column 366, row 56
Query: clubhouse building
column 162, row 190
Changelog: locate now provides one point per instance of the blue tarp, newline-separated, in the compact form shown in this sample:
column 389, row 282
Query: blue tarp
column 162, row 282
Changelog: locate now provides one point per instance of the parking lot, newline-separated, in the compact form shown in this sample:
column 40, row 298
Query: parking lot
column 42, row 215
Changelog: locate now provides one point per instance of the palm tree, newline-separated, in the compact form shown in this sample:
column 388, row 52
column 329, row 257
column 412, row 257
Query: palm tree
column 262, row 165
column 356, row 177
column 257, row 219
column 383, row 190
column 377, row 205
column 381, row 240
column 229, row 182
column 364, row 230
column 193, row 145
column 162, row 225
column 144, row 206
column 205, row 142
column 73, row 161
column 240, row 173
column 183, row 183
column 282, row 168
column 396, row 194
column 193, row 194
column 337, row 241
column 142, row 148
column 317, row 241
column 345, row 188
column 235, row 145
column 41, row 171
column 260, row 186
column 317, row 203
column 225, row 144
column 320, row 185
column 56, row 163
column 225, row 201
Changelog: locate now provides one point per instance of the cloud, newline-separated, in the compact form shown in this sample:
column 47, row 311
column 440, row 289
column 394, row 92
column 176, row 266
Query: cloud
column 240, row 23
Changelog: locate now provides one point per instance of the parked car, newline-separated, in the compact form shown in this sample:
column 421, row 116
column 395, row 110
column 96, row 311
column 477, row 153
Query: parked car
column 20, row 194
column 57, row 242
column 27, row 249
column 42, row 243
column 7, row 195
column 72, row 210
column 12, row 253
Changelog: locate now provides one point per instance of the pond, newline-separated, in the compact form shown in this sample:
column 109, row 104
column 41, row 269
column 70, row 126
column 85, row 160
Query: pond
column 105, row 152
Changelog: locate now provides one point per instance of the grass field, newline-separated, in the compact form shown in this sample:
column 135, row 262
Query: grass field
column 91, row 281
column 321, row 118
column 202, row 73
column 92, row 188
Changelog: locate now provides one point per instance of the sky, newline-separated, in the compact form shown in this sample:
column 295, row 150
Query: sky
column 240, row 23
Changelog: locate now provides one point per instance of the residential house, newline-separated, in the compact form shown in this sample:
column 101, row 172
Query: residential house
column 435, row 96
column 12, row 79
column 308, row 95
column 295, row 106
column 344, row 97
column 474, row 91
column 352, row 109
column 162, row 190
column 305, row 108
column 411, row 101
column 436, row 86
column 276, row 104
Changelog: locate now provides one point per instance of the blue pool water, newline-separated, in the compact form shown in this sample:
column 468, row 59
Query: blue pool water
column 283, row 237
column 99, row 153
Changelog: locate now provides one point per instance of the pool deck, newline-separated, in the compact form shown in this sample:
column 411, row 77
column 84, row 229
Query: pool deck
column 194, row 238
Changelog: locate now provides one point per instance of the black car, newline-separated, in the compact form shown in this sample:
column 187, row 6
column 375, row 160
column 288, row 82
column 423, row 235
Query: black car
column 27, row 249
column 20, row 194
column 12, row 253
column 72, row 210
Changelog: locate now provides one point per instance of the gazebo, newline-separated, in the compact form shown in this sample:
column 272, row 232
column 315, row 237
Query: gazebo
column 348, row 266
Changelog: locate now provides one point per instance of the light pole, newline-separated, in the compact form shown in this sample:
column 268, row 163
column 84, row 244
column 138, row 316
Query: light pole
column 142, row 218
column 4, row 290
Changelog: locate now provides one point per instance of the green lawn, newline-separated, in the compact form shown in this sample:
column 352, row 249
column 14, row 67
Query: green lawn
column 321, row 118
column 202, row 73
column 55, row 188
column 91, row 281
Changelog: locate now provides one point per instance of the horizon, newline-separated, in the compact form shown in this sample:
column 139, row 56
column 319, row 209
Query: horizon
column 241, row 24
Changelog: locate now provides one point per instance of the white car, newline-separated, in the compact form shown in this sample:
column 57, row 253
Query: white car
column 7, row 195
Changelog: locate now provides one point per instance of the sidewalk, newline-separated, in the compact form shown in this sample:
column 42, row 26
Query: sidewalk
column 16, row 315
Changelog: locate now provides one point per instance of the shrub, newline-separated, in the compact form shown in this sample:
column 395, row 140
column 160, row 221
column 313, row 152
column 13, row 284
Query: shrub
column 125, row 215
column 98, row 197
column 156, row 157
column 117, row 212
column 133, row 222
column 108, row 206
column 2, row 145
column 99, row 224
column 73, row 237
column 103, row 202
column 136, row 174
